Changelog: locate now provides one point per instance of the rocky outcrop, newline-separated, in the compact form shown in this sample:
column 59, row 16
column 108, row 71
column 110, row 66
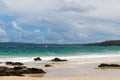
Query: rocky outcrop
column 108, row 65
column 37, row 59
column 5, row 71
column 19, row 71
column 58, row 60
column 14, row 63
column 48, row 65
column 34, row 70
column 20, row 68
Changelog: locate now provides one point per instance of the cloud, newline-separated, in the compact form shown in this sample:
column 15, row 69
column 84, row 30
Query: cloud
column 37, row 31
column 2, row 5
column 109, row 10
column 75, row 6
column 64, row 21
column 30, row 7
column 15, row 26
column 3, row 36
column 2, row 32
column 3, row 8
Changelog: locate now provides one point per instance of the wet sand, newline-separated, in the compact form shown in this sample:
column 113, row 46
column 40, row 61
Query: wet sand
column 70, row 71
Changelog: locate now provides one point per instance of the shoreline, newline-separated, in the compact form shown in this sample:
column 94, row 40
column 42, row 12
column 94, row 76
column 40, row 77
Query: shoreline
column 81, row 58
column 70, row 70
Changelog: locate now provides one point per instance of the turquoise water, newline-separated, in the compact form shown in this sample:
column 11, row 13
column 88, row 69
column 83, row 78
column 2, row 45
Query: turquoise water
column 57, row 50
column 61, row 51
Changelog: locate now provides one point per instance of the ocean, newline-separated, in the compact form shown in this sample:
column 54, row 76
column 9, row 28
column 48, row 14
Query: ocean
column 81, row 53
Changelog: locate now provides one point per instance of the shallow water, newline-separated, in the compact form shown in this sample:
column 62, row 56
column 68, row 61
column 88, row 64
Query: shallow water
column 83, row 53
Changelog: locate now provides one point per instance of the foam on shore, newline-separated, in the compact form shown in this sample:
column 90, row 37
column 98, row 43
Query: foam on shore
column 78, row 58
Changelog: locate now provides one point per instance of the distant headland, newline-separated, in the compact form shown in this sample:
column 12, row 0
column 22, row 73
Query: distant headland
column 104, row 43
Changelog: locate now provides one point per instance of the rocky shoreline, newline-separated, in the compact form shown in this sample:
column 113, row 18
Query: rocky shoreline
column 19, row 71
column 18, row 68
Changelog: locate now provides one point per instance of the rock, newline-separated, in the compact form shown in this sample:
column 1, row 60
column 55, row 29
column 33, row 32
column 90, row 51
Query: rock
column 2, row 69
column 58, row 60
column 108, row 65
column 18, row 63
column 20, row 68
column 5, row 71
column 35, row 70
column 13, row 63
column 102, row 65
column 114, row 65
column 37, row 59
column 19, row 71
column 48, row 65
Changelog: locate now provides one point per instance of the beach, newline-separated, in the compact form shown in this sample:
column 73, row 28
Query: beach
column 83, row 78
column 59, row 40
column 70, row 71
column 79, row 62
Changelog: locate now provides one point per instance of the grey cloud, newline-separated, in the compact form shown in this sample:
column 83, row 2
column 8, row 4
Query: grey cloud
column 2, row 5
column 75, row 6
column 58, row 24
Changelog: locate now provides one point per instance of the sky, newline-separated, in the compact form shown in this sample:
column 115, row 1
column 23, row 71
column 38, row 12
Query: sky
column 59, row 21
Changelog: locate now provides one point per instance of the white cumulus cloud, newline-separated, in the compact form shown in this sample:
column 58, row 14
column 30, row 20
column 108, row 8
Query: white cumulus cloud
column 3, row 36
column 2, row 32
column 15, row 26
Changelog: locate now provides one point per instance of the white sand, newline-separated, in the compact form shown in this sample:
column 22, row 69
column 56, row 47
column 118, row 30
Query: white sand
column 78, row 78
column 68, row 71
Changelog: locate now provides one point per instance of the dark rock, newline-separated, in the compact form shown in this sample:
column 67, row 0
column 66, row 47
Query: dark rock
column 48, row 65
column 58, row 60
column 35, row 70
column 114, row 65
column 102, row 65
column 37, row 59
column 18, row 63
column 5, row 71
column 13, row 63
column 20, row 68
column 2, row 69
column 18, row 71
column 108, row 65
